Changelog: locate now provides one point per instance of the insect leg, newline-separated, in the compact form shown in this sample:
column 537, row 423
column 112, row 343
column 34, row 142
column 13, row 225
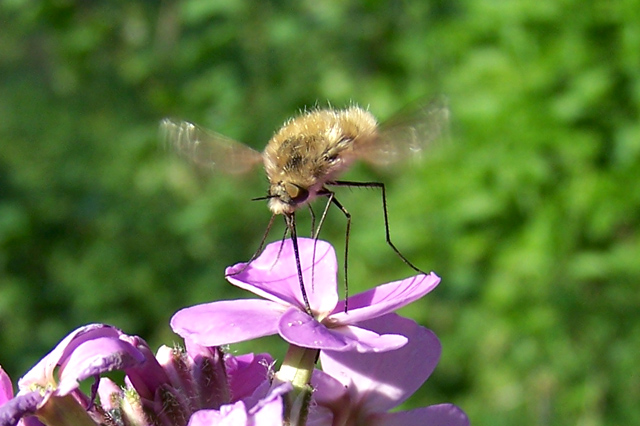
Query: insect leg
column 313, row 219
column 333, row 200
column 284, row 237
column 291, row 224
column 329, row 194
column 315, row 232
column 260, row 247
column 381, row 186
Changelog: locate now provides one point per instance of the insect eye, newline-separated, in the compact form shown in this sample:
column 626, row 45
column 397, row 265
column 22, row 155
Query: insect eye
column 297, row 193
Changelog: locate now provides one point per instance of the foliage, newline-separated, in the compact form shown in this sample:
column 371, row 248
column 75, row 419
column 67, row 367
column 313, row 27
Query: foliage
column 530, row 213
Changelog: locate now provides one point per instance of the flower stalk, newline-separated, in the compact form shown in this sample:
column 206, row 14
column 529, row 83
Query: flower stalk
column 297, row 368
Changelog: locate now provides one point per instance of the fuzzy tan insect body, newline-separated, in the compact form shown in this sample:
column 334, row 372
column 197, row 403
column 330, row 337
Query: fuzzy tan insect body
column 311, row 150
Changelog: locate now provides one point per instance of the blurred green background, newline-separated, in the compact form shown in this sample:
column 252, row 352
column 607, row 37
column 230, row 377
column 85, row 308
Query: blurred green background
column 530, row 213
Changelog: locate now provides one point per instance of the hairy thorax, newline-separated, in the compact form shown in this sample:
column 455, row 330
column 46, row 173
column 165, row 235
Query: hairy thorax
column 313, row 149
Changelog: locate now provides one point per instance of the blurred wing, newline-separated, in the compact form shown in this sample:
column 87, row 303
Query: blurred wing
column 407, row 133
column 208, row 149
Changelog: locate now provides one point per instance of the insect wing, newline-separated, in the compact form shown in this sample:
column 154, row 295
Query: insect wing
column 407, row 133
column 208, row 149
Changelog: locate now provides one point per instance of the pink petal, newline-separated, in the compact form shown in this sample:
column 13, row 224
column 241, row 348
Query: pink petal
column 327, row 390
column 109, row 393
column 246, row 373
column 320, row 416
column 368, row 341
column 384, row 299
column 228, row 321
column 95, row 357
column 43, row 372
column 6, row 388
column 300, row 329
column 146, row 378
column 274, row 276
column 235, row 414
column 434, row 415
column 269, row 410
column 384, row 380
column 17, row 409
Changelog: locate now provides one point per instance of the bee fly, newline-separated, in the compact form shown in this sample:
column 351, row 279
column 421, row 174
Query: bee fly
column 304, row 158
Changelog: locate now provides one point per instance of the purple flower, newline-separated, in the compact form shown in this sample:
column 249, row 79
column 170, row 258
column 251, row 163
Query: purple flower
column 161, row 390
column 360, row 388
column 273, row 276
column 50, row 388
column 86, row 352
column 13, row 409
column 6, row 388
column 167, row 389
column 246, row 374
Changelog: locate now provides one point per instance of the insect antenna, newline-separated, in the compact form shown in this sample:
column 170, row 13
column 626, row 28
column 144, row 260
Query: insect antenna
column 266, row 197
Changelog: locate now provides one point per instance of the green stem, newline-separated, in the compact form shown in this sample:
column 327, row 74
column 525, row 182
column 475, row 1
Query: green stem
column 297, row 368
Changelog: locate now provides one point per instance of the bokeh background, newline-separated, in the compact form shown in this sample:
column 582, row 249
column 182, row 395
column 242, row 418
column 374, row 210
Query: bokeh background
column 529, row 211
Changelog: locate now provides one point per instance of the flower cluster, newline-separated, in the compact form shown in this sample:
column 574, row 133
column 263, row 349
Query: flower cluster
column 372, row 359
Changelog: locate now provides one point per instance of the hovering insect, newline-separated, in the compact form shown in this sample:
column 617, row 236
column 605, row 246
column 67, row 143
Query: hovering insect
column 304, row 157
